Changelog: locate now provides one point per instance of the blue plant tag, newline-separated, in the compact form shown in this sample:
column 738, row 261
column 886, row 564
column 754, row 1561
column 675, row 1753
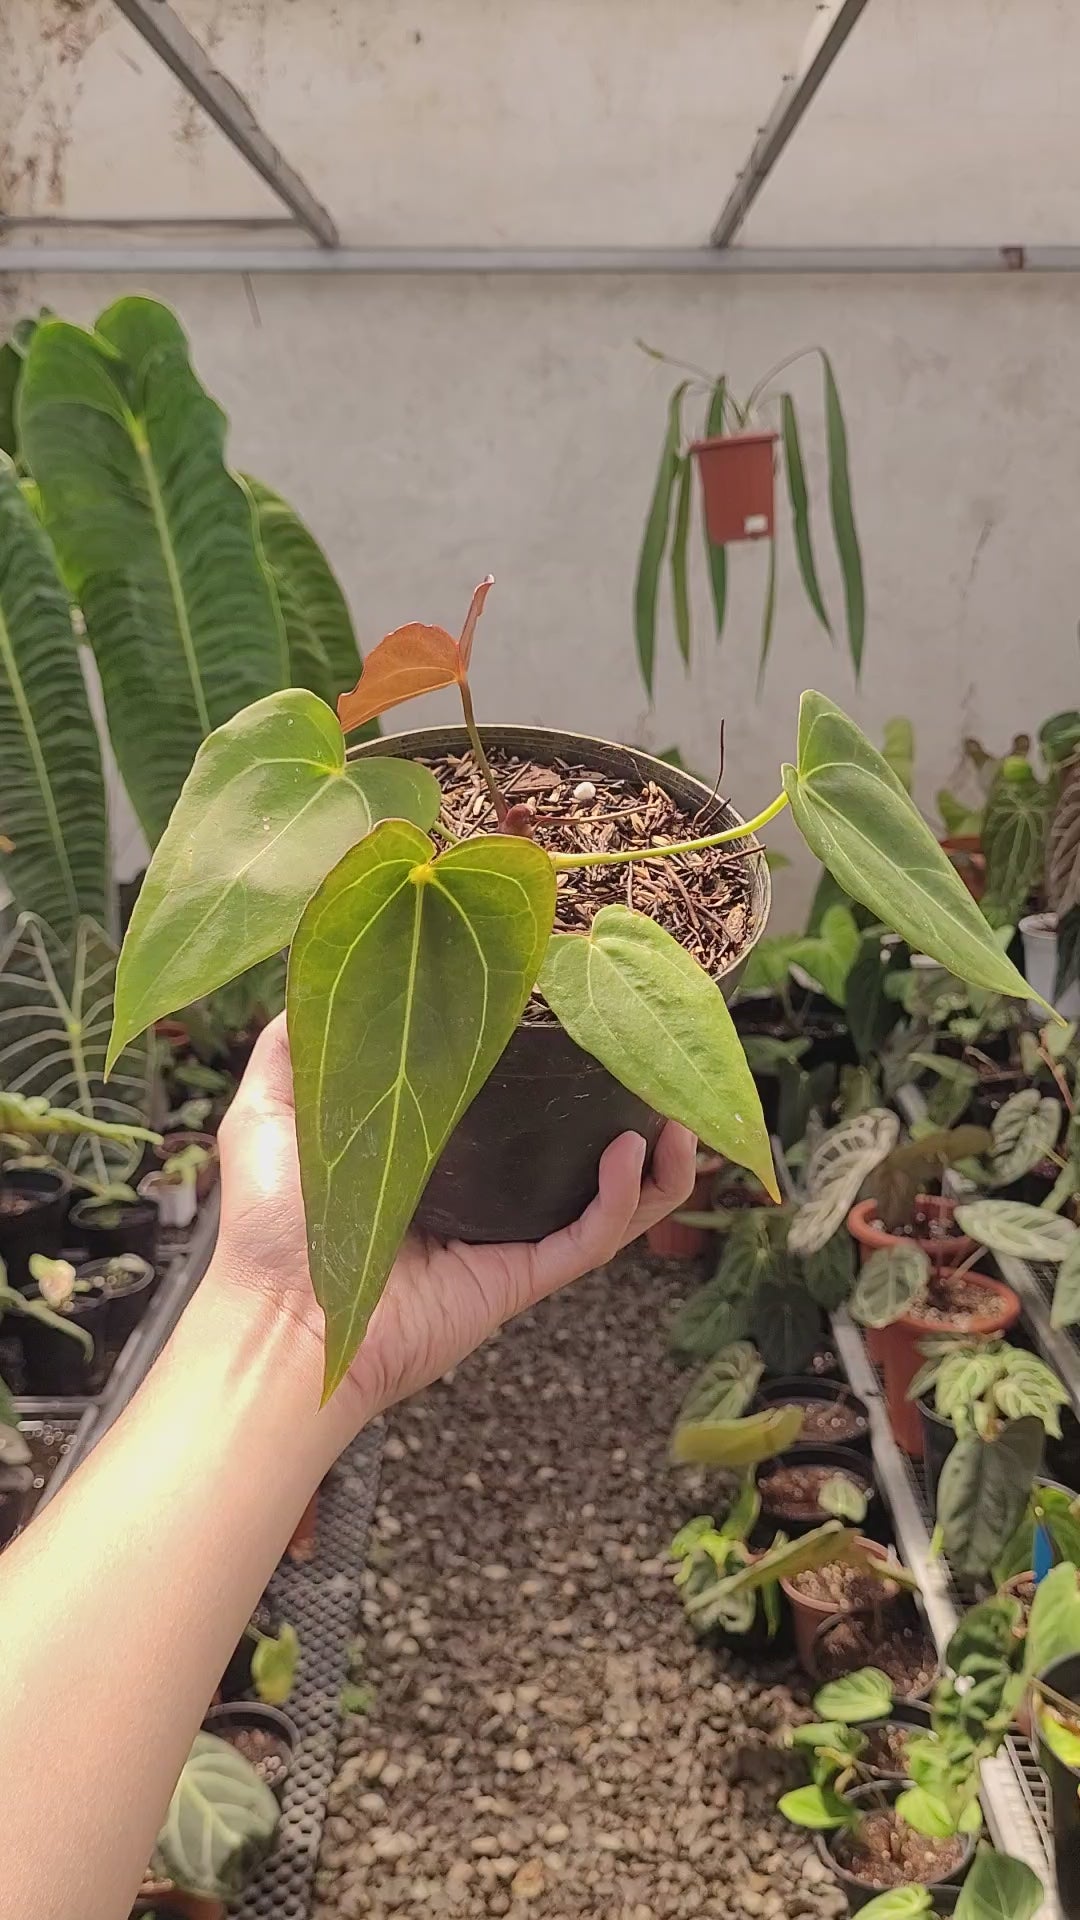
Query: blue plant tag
column 1043, row 1555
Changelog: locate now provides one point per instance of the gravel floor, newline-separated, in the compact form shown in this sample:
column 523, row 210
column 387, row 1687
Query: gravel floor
column 546, row 1736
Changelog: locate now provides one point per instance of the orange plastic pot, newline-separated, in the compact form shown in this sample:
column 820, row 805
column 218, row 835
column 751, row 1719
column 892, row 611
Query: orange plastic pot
column 807, row 1614
column 869, row 1238
column 738, row 485
column 669, row 1238
column 902, row 1355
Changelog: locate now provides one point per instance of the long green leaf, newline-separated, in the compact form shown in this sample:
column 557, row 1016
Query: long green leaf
column 56, row 1010
column 680, row 540
column 323, row 654
column 270, row 805
column 639, row 1003
column 854, row 814
column 1017, row 1231
column 843, row 517
column 799, row 496
column 155, row 537
column 52, row 795
column 736, row 1444
column 716, row 555
column 982, row 1493
column 407, row 977
column 647, row 585
column 768, row 613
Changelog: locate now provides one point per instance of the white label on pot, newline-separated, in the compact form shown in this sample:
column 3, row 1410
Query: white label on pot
column 756, row 523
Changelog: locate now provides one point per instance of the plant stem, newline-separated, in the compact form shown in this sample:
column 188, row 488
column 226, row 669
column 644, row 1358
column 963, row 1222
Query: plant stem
column 563, row 862
column 479, row 755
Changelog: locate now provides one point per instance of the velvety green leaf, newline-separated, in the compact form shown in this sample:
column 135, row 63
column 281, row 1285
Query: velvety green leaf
column 982, row 1493
column 901, row 1903
column 997, row 1888
column 927, row 1815
column 898, row 748
column 837, row 1169
column 716, row 555
column 736, row 1443
column 1017, row 1231
column 269, row 807
column 407, row 976
column 843, row 517
column 830, row 1272
column 725, row 1388
column 817, row 1807
column 786, row 1325
column 680, row 541
column 630, row 995
column 1063, row 852
column 323, row 654
column 1014, row 834
column 52, row 794
column 866, row 1694
column 221, row 1821
column 854, row 814
column 799, row 497
column 1065, row 1309
column 871, row 1013
column 711, row 1319
column 56, row 1010
column 647, row 584
column 10, row 373
column 155, row 538
column 1054, row 1621
column 768, row 613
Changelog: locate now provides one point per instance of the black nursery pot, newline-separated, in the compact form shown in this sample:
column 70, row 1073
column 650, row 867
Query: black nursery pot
column 38, row 1227
column 56, row 1364
column 1064, row 1677
column 128, row 1302
column 860, row 1892
column 16, row 1494
column 135, row 1231
column 798, row 1387
column 939, row 1439
column 522, row 1162
column 838, row 1460
column 256, row 1716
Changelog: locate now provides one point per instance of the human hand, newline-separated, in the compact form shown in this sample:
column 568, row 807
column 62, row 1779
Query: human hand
column 440, row 1301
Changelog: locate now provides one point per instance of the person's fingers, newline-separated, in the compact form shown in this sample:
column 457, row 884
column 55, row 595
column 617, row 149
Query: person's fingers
column 670, row 1180
column 602, row 1229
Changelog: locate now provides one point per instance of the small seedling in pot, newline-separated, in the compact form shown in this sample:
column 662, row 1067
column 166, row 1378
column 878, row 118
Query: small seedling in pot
column 998, row 1887
column 174, row 1189
column 979, row 1386
column 412, row 963
column 274, row 1662
column 59, row 1277
column 221, row 1822
column 841, row 1497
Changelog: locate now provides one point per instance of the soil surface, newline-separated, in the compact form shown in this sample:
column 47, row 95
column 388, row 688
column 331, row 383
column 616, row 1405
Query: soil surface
column 268, row 1754
column 903, row 1651
column 795, row 1490
column 547, row 1737
column 840, row 1586
column 886, row 1747
column 958, row 1303
column 827, row 1422
column 888, row 1853
column 703, row 899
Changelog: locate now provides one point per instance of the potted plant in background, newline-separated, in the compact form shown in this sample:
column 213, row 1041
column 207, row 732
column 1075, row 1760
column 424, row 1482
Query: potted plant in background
column 174, row 1188
column 735, row 459
column 997, row 1887
column 974, row 1388
column 64, row 1346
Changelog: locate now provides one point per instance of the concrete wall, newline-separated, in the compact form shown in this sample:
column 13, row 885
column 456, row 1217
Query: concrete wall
column 432, row 429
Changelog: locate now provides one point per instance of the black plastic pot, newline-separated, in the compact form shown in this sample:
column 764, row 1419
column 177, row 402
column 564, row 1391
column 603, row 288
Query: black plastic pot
column 807, row 1386
column 842, row 1459
column 126, row 1304
column 55, row 1363
column 893, row 1616
column 40, row 1229
column 243, row 1714
column 1064, row 1782
column 16, row 1496
column 939, row 1439
column 523, row 1160
column 860, row 1892
column 135, row 1231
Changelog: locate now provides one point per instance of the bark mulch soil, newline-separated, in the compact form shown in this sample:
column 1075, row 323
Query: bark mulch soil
column 546, row 1737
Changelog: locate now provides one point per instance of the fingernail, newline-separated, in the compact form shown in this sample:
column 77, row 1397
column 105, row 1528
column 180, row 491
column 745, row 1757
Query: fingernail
column 642, row 1150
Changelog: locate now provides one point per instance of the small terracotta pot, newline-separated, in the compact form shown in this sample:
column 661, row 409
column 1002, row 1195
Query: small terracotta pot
column 965, row 850
column 870, row 1238
column 669, row 1238
column 903, row 1358
column 738, row 484
column 807, row 1614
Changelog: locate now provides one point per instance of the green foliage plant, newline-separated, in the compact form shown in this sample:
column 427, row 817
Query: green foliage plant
column 410, row 963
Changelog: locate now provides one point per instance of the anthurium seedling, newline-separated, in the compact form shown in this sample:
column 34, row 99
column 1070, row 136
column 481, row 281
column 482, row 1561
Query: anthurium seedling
column 274, row 1662
column 721, row 1581
column 997, row 1887
column 412, row 957
column 58, row 1276
column 978, row 1386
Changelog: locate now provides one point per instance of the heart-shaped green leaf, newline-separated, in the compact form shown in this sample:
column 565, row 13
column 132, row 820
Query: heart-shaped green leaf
column 407, row 976
column 1024, row 1130
column 817, row 1807
column 637, row 1001
column 736, row 1443
column 901, row 1903
column 1017, row 1231
column 221, row 1821
column 269, row 806
column 866, row 1694
column 982, row 1492
column 786, row 1325
column 926, row 1814
column 841, row 1497
column 887, row 1285
column 997, row 1888
column 726, row 1387
column 854, row 814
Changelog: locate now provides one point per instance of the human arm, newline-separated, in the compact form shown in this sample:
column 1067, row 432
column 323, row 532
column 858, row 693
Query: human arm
column 122, row 1603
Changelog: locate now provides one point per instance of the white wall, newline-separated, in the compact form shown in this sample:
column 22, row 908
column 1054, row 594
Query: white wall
column 431, row 429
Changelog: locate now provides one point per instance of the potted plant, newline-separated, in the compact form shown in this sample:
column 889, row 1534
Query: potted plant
column 832, row 1415
column 34, row 1183
column 997, row 1887
column 864, row 1702
column 801, row 1486
column 735, row 459
column 116, row 1220
column 174, row 1189
column 731, row 1592
column 1013, row 1230
column 440, row 952
column 889, row 1635
column 221, row 1822
column 265, row 1736
column 179, row 1140
column 865, row 1574
column 128, row 1281
column 64, row 1345
column 967, row 1387
column 860, row 1834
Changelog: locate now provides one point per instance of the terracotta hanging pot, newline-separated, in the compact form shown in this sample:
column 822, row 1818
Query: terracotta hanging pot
column 738, row 485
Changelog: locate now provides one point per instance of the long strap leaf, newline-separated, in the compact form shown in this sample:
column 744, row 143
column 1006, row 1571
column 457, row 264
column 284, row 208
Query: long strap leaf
column 768, row 614
column 52, row 795
column 155, row 536
column 799, row 496
column 680, row 588
column 716, row 555
column 323, row 654
column 843, row 517
column 650, row 559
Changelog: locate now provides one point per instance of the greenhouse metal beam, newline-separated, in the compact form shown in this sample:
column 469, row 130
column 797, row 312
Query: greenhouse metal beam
column 161, row 28
column 826, row 39
column 124, row 257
